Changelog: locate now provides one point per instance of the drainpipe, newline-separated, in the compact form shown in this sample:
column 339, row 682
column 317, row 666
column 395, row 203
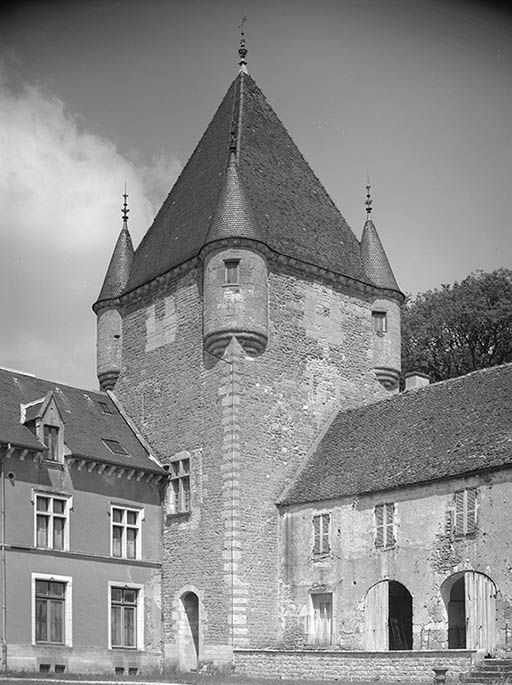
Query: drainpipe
column 3, row 563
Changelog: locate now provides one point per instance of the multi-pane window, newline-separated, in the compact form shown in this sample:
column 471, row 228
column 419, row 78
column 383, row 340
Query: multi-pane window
column 50, row 611
column 179, row 495
column 125, row 524
column 385, row 525
column 51, row 521
column 465, row 512
column 51, row 440
column 231, row 271
column 380, row 323
column 123, row 617
column 321, row 534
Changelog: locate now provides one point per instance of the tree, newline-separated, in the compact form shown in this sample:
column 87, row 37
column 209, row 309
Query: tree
column 460, row 328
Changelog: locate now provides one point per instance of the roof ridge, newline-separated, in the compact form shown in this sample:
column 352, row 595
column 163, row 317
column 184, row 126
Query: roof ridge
column 15, row 372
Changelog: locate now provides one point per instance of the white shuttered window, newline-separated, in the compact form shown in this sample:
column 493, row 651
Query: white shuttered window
column 465, row 512
column 385, row 525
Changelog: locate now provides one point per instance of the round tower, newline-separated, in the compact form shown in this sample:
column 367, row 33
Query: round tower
column 385, row 304
column 108, row 309
column 235, row 296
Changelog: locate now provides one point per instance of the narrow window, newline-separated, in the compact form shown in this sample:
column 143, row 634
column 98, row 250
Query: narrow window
column 50, row 610
column 123, row 617
column 465, row 512
column 51, row 440
column 321, row 534
column 125, row 532
column 51, row 522
column 380, row 322
column 385, row 525
column 179, row 486
column 321, row 624
column 231, row 271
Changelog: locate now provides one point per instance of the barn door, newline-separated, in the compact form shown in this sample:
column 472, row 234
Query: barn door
column 480, row 601
column 376, row 618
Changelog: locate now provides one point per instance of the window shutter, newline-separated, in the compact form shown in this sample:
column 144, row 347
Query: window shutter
column 459, row 513
column 325, row 534
column 390, row 519
column 379, row 523
column 470, row 511
column 316, row 534
column 449, row 522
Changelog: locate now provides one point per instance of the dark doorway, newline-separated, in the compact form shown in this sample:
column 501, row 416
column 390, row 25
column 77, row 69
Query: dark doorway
column 190, row 631
column 457, row 616
column 400, row 616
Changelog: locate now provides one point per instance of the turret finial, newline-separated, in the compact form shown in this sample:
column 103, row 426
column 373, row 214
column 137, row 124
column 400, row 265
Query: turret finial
column 242, row 50
column 125, row 209
column 369, row 200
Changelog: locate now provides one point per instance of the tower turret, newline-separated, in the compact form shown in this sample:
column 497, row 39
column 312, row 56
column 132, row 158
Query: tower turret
column 235, row 272
column 108, row 310
column 385, row 305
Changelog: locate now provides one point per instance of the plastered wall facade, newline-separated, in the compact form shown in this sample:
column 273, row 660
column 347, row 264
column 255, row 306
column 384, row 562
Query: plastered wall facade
column 426, row 555
column 247, row 423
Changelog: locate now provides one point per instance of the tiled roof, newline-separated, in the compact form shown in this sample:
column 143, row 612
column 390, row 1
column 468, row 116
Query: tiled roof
column 85, row 423
column 119, row 267
column 459, row 426
column 294, row 214
column 375, row 261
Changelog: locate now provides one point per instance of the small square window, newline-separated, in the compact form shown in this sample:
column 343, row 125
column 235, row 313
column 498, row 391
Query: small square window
column 380, row 322
column 115, row 447
column 231, row 271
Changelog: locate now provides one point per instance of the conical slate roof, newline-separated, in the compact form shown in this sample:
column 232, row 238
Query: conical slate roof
column 233, row 216
column 375, row 261
column 293, row 213
column 119, row 268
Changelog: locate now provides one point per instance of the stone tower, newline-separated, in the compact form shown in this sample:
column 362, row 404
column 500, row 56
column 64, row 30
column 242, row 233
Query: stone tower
column 246, row 323
column 108, row 308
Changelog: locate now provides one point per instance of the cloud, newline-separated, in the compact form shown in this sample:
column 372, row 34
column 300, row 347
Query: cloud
column 60, row 193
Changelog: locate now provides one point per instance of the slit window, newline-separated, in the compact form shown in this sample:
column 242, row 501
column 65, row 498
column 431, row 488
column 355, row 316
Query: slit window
column 380, row 322
column 231, row 271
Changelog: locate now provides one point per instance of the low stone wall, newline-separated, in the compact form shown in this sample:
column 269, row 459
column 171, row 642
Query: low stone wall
column 352, row 666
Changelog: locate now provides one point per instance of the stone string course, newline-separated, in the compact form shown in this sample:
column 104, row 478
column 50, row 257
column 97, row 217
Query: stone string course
column 352, row 666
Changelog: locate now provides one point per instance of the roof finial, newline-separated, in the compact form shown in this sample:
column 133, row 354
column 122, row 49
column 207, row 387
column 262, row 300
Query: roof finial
column 242, row 50
column 369, row 200
column 125, row 207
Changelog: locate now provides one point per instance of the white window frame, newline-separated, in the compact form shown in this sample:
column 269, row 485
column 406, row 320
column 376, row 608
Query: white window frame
column 381, row 316
column 139, row 631
column 68, row 606
column 463, row 531
column 386, row 527
column 67, row 508
column 138, row 542
column 322, row 534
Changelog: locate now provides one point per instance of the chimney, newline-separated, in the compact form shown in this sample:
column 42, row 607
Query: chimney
column 416, row 379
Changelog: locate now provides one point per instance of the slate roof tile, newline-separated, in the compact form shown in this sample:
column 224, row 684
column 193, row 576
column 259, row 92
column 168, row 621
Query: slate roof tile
column 444, row 430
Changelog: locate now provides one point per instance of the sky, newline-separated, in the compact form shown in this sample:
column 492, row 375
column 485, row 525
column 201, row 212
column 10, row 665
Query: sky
column 414, row 94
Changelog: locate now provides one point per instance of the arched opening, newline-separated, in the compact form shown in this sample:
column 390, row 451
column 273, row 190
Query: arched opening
column 470, row 600
column 400, row 616
column 189, row 632
column 457, row 615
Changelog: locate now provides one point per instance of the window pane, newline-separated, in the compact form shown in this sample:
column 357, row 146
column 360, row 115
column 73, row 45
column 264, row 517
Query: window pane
column 41, row 627
column 42, row 503
column 231, row 271
column 130, row 596
column 186, row 493
column 131, row 543
column 115, row 618
column 58, row 532
column 129, row 627
column 42, row 587
column 117, row 515
column 117, row 594
column 56, row 620
column 59, row 506
column 117, row 537
column 42, row 531
column 131, row 518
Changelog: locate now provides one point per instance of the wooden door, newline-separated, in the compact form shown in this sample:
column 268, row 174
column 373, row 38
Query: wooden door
column 480, row 601
column 376, row 614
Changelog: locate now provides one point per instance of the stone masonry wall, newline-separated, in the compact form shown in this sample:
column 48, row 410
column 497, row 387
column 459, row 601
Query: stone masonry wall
column 352, row 666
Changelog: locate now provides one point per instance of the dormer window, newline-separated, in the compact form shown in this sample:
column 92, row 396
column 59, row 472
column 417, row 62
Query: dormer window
column 51, row 440
column 380, row 322
column 231, row 271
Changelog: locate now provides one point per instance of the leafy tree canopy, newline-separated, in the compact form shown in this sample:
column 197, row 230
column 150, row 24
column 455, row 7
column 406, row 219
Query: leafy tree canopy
column 460, row 328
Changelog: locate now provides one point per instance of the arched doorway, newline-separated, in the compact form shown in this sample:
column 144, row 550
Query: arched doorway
column 388, row 617
column 189, row 632
column 470, row 600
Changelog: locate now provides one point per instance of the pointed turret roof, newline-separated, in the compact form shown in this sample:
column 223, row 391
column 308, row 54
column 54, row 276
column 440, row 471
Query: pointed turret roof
column 119, row 268
column 292, row 211
column 375, row 261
